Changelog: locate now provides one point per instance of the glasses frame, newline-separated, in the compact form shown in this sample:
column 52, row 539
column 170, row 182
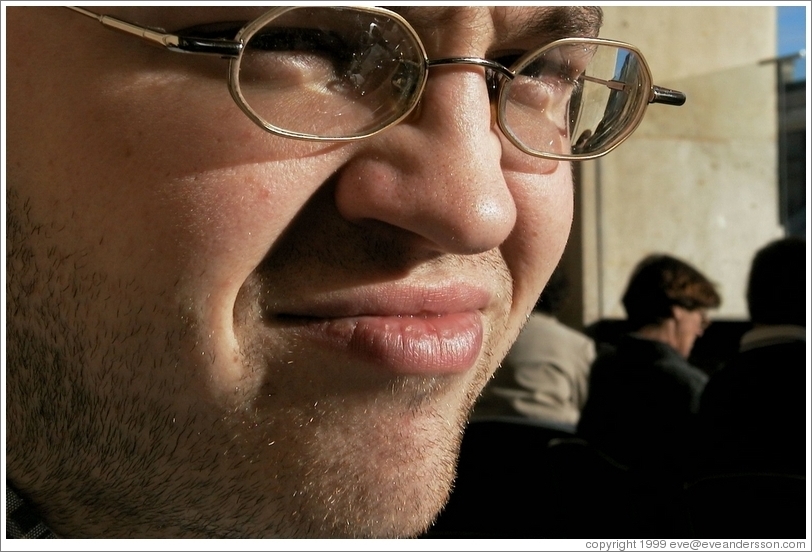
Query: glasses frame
column 234, row 50
column 656, row 94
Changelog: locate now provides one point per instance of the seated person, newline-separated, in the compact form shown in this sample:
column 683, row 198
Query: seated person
column 750, row 474
column 545, row 376
column 643, row 394
column 752, row 412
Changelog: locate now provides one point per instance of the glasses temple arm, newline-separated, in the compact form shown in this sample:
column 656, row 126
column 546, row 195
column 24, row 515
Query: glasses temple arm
column 666, row 96
column 611, row 84
column 658, row 93
column 189, row 45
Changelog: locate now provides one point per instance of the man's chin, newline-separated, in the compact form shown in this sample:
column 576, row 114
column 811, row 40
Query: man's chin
column 399, row 500
column 350, row 454
column 378, row 482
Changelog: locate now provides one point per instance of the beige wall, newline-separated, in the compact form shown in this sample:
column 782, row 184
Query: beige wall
column 697, row 181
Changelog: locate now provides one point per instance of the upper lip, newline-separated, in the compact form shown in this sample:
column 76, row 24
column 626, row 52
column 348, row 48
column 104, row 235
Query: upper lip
column 391, row 299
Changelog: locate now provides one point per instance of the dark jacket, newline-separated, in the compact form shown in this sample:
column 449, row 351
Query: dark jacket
column 643, row 400
column 753, row 410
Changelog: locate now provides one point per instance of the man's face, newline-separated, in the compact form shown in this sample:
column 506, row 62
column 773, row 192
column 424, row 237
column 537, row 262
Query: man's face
column 689, row 326
column 214, row 331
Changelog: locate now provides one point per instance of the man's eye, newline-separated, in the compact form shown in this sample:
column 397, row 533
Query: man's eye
column 280, row 39
column 553, row 69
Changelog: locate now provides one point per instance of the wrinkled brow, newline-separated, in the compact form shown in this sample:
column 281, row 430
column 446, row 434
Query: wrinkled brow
column 554, row 22
column 510, row 22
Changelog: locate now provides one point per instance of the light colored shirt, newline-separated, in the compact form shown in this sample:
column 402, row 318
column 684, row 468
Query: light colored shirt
column 545, row 376
column 761, row 336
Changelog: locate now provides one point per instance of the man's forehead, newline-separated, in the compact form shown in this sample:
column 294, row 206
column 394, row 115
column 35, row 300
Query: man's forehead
column 506, row 22
column 511, row 22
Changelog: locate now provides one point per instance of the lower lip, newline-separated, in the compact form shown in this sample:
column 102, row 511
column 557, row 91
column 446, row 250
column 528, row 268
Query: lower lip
column 405, row 345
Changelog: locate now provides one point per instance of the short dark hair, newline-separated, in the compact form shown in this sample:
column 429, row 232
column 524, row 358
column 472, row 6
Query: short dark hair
column 659, row 282
column 776, row 289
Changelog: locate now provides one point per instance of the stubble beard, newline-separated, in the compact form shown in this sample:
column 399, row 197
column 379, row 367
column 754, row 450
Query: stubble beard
column 377, row 463
column 117, row 455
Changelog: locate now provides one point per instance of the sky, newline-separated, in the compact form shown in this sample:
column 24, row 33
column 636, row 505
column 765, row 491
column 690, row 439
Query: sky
column 792, row 35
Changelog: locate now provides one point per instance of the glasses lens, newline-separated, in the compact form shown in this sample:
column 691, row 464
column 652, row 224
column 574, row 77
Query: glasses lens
column 331, row 72
column 578, row 98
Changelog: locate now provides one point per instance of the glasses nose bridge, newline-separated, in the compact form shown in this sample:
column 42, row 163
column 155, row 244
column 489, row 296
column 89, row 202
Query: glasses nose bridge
column 492, row 70
column 490, row 64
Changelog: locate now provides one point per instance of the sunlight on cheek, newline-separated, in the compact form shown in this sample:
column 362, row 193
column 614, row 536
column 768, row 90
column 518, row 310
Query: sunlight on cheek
column 534, row 248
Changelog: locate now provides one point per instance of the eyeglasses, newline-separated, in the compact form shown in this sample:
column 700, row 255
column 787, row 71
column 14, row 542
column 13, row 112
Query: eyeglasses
column 348, row 73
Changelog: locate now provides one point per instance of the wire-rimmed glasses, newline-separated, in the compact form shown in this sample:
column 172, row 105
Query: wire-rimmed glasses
column 347, row 73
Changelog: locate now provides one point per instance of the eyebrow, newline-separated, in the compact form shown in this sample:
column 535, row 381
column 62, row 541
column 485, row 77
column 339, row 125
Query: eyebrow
column 553, row 22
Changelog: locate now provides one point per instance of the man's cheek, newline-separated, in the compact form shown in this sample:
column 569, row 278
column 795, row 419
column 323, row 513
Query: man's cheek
column 534, row 248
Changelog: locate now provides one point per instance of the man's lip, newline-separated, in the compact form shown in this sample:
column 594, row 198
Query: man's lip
column 402, row 330
column 389, row 300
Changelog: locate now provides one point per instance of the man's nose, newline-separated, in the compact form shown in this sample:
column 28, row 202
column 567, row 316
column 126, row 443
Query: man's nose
column 438, row 174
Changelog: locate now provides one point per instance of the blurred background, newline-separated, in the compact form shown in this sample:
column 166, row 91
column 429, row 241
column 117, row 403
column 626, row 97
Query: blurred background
column 711, row 181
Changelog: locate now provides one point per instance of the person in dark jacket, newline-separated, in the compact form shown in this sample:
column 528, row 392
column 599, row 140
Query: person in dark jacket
column 643, row 393
column 753, row 409
column 750, row 474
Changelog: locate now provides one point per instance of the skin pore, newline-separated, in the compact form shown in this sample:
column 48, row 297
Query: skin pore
column 168, row 262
